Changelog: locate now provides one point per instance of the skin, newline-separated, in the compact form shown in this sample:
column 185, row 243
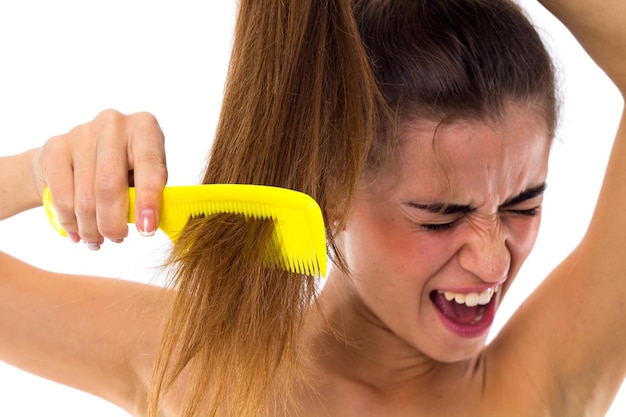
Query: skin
column 395, row 254
column 550, row 359
column 398, row 259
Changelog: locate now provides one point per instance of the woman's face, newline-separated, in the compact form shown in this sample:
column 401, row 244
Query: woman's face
column 433, row 244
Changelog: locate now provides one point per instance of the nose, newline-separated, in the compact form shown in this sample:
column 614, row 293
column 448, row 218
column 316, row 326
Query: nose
column 485, row 253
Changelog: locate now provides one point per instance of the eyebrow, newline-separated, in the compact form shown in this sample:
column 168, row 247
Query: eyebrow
column 443, row 208
column 525, row 195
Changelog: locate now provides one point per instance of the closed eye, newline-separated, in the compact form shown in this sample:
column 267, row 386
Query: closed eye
column 438, row 227
column 525, row 212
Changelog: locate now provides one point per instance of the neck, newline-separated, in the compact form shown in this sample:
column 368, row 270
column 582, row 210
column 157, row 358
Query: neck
column 352, row 343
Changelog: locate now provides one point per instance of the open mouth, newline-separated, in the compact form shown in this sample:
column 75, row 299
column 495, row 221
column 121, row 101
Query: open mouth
column 466, row 314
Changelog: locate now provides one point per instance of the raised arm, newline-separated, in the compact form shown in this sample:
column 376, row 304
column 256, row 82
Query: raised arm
column 95, row 334
column 98, row 335
column 567, row 343
column 599, row 27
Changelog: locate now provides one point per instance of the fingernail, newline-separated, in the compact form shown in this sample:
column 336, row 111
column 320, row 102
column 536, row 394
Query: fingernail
column 93, row 245
column 147, row 224
column 74, row 237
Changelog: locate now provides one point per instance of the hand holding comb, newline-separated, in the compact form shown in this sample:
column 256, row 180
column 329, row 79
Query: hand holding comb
column 298, row 220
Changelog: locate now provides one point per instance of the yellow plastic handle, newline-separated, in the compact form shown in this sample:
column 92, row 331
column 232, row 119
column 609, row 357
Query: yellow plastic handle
column 53, row 217
column 51, row 212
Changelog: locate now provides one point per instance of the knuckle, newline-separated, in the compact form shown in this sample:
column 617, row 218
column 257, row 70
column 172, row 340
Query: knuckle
column 108, row 119
column 54, row 150
column 85, row 206
column 64, row 207
column 146, row 119
column 108, row 116
column 54, row 143
column 109, row 186
column 68, row 226
column 113, row 230
column 78, row 132
column 147, row 128
column 155, row 160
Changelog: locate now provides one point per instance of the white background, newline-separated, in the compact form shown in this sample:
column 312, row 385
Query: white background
column 63, row 61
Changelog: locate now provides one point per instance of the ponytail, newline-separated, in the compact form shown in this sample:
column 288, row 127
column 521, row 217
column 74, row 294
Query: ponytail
column 300, row 112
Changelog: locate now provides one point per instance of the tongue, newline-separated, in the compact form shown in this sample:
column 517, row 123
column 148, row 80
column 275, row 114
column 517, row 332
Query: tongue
column 454, row 311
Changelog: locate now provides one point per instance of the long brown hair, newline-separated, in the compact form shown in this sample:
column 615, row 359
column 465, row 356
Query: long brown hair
column 299, row 112
column 314, row 92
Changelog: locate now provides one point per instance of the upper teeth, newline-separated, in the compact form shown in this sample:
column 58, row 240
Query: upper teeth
column 471, row 299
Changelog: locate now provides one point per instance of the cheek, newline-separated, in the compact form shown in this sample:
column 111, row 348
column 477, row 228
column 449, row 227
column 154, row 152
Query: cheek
column 381, row 243
column 523, row 235
column 374, row 243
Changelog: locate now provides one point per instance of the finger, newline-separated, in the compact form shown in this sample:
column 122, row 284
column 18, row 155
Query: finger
column 54, row 168
column 111, row 180
column 84, row 139
column 147, row 160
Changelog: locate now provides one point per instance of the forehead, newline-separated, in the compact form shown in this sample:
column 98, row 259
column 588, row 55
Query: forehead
column 498, row 158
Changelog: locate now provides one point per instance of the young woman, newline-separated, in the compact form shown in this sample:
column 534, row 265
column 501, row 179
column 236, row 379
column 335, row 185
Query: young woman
column 423, row 129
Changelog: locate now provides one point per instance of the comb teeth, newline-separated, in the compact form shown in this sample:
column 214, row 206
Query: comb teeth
column 296, row 253
column 299, row 226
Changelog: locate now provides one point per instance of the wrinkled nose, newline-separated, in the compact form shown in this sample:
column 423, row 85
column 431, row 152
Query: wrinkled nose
column 485, row 253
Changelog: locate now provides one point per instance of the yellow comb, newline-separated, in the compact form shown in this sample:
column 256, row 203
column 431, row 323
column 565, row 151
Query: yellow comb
column 299, row 224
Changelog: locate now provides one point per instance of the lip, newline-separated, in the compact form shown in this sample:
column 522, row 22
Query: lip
column 471, row 330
